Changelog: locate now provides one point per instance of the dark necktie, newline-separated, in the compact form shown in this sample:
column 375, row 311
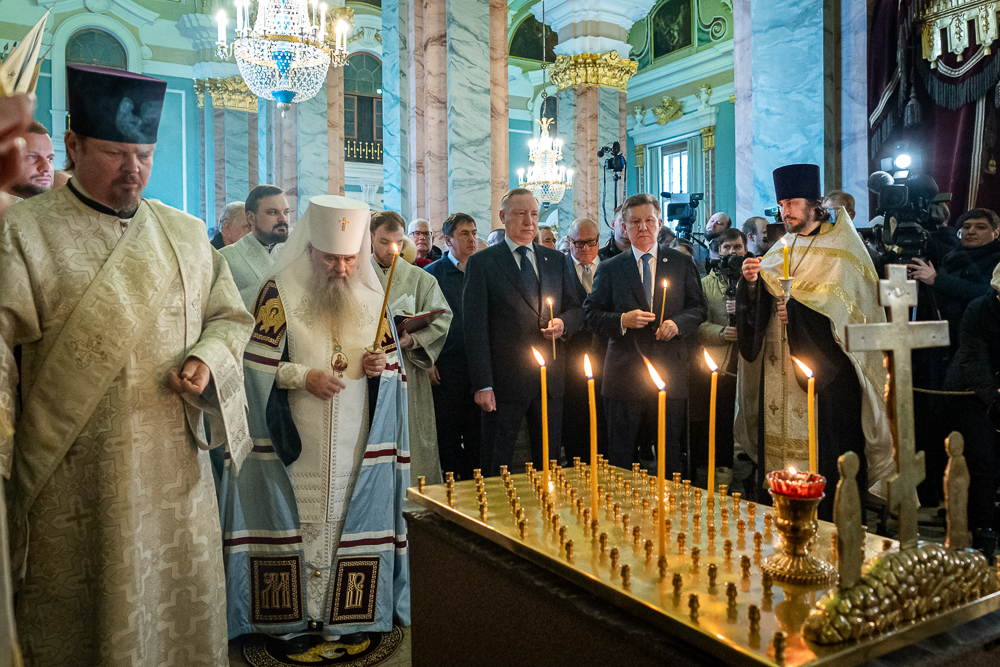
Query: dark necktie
column 647, row 278
column 588, row 278
column 528, row 277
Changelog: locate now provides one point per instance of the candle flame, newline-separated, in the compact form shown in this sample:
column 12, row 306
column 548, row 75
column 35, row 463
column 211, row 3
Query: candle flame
column 538, row 357
column 656, row 376
column 802, row 367
column 792, row 470
column 395, row 249
column 587, row 368
column 665, row 283
column 784, row 242
column 549, row 300
column 711, row 362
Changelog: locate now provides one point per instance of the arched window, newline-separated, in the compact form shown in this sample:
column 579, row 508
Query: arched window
column 527, row 41
column 96, row 47
column 363, row 108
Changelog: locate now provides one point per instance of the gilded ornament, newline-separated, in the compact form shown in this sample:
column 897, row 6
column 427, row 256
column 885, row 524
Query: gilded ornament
column 950, row 18
column 708, row 138
column 231, row 93
column 589, row 69
column 199, row 91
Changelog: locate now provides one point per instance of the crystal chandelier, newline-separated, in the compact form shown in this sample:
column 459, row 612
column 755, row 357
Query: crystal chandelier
column 546, row 180
column 286, row 54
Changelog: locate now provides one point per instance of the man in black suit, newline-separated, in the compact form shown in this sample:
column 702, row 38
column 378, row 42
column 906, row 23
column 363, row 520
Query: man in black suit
column 455, row 411
column 506, row 313
column 627, row 289
column 618, row 242
column 584, row 240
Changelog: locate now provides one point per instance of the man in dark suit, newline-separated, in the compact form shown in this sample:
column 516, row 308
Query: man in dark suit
column 627, row 289
column 506, row 313
column 584, row 239
column 455, row 410
column 618, row 242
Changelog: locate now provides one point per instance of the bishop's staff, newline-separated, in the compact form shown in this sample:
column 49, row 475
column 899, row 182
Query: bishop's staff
column 385, row 300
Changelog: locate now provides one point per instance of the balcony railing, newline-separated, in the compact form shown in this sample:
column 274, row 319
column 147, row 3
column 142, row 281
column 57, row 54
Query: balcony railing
column 363, row 151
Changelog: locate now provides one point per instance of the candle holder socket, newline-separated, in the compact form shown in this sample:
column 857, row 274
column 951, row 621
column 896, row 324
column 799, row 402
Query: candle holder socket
column 795, row 520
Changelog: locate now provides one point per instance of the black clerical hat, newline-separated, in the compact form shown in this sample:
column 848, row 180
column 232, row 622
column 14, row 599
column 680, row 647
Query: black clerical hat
column 113, row 105
column 797, row 181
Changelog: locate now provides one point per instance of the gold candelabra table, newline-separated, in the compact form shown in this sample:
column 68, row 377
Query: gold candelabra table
column 710, row 590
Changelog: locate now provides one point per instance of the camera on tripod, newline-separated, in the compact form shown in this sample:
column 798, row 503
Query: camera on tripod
column 616, row 161
column 905, row 203
column 684, row 209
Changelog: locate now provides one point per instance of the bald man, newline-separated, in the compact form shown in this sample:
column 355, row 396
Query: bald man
column 718, row 223
column 584, row 239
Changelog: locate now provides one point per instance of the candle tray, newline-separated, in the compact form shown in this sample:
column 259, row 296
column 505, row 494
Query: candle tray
column 712, row 593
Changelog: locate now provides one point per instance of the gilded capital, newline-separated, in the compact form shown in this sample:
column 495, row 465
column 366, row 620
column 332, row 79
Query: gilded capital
column 708, row 138
column 589, row 69
column 199, row 92
column 231, row 93
column 640, row 155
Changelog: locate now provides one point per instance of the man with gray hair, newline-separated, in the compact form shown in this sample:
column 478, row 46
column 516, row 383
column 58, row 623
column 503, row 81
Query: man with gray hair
column 506, row 306
column 232, row 227
column 422, row 236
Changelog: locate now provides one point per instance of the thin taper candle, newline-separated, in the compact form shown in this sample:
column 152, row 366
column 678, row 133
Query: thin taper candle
column 552, row 317
column 385, row 300
column 663, row 305
column 811, row 416
column 545, row 421
column 661, row 453
column 711, row 421
column 785, row 259
column 588, row 369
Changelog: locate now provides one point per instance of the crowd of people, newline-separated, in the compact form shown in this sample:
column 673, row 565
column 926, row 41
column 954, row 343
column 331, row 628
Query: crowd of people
column 134, row 344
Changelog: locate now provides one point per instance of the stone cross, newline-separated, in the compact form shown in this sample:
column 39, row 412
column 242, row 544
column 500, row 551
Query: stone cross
column 343, row 224
column 956, row 494
column 846, row 510
column 897, row 338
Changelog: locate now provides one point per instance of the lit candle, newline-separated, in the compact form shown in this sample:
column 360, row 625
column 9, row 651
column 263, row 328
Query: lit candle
column 552, row 317
column 593, row 434
column 220, row 18
column 545, row 422
column 385, row 301
column 661, row 453
column 811, row 416
column 663, row 305
column 239, row 17
column 322, row 21
column 569, row 178
column 786, row 252
column 711, row 422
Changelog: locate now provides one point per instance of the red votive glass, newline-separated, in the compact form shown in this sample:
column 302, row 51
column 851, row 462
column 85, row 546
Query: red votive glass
column 797, row 484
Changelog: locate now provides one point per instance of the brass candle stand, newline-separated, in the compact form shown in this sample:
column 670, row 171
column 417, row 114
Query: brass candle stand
column 795, row 520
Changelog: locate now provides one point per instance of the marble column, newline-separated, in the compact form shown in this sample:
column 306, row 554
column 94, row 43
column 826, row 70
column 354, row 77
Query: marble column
column 585, row 162
column 499, row 113
column 435, row 32
column 237, row 148
column 312, row 164
column 743, row 77
column 853, row 45
column 204, row 158
column 219, row 161
column 566, row 126
column 395, row 105
column 469, row 137
column 253, row 179
column 415, row 116
column 285, row 142
column 265, row 141
column 335, row 130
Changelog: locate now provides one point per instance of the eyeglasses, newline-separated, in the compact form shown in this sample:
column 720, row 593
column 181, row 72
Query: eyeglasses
column 589, row 243
column 426, row 235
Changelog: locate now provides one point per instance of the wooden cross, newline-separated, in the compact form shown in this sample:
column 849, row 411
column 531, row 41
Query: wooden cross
column 897, row 338
column 343, row 224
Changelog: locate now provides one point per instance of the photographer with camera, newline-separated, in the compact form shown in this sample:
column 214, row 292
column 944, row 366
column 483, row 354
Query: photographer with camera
column 833, row 284
column 718, row 335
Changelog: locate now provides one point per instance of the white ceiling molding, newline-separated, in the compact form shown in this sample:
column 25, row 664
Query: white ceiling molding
column 647, row 131
column 127, row 10
column 698, row 67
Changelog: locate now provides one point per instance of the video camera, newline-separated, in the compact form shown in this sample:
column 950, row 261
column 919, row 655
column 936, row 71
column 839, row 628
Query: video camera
column 684, row 209
column 730, row 267
column 616, row 162
column 906, row 205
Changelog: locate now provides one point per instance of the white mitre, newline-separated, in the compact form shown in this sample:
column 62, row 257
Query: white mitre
column 335, row 225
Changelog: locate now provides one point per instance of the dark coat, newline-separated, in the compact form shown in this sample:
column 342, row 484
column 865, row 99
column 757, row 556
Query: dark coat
column 609, row 250
column 217, row 241
column 964, row 275
column 976, row 365
column 452, row 360
column 502, row 321
column 617, row 290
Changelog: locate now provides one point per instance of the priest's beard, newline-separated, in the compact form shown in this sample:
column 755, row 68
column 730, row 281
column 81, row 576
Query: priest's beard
column 27, row 190
column 121, row 198
column 335, row 299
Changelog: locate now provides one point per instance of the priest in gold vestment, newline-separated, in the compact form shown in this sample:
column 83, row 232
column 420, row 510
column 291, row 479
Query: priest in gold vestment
column 129, row 327
column 834, row 284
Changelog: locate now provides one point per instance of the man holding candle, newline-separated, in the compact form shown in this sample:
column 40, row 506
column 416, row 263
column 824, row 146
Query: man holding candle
column 833, row 284
column 627, row 288
column 507, row 287
column 414, row 291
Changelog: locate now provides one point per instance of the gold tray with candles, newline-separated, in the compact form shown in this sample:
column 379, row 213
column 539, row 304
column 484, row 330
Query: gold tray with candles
column 712, row 592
